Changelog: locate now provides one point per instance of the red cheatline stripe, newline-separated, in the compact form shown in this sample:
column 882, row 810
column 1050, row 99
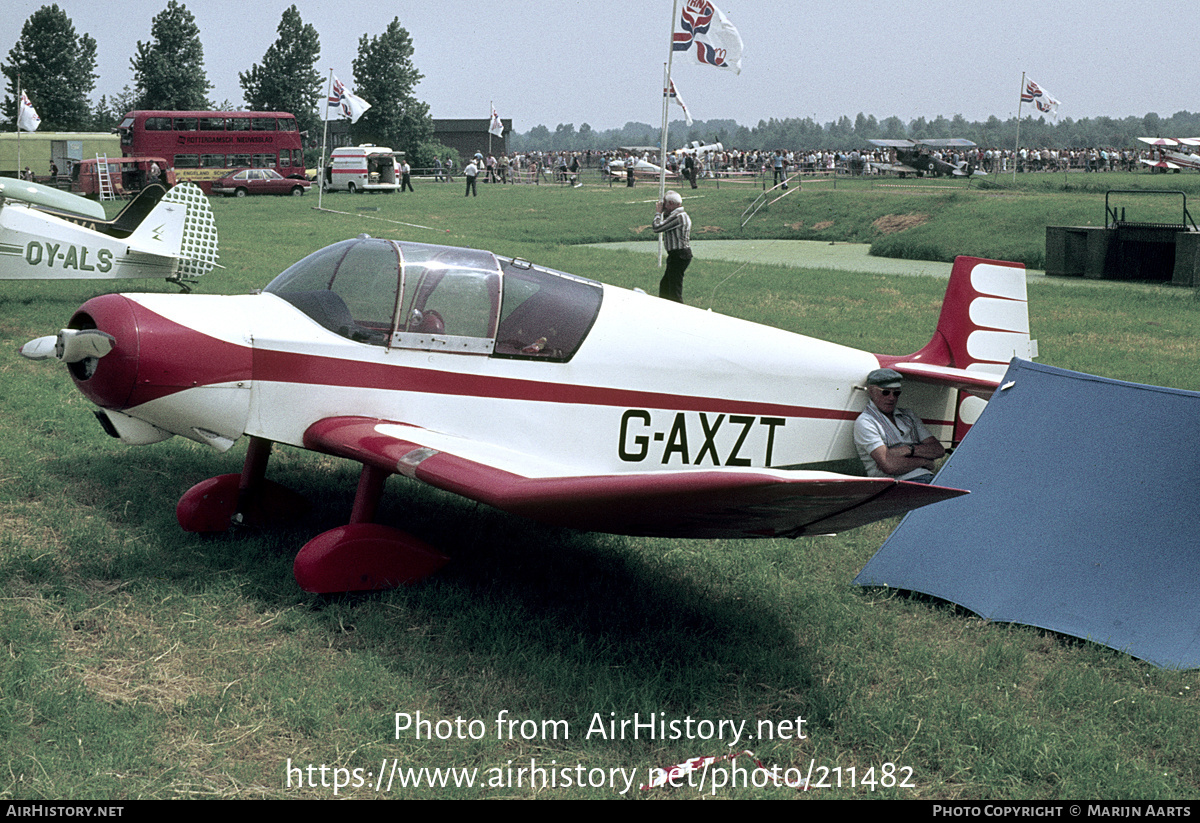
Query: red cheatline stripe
column 291, row 367
column 287, row 367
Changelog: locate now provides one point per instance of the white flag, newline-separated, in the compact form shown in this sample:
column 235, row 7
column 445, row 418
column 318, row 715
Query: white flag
column 27, row 116
column 707, row 32
column 1044, row 100
column 350, row 103
column 496, row 127
column 674, row 94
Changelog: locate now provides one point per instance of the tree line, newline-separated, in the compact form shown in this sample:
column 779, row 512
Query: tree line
column 845, row 134
column 57, row 68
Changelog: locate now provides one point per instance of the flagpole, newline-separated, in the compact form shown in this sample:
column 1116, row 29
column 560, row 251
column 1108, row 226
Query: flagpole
column 662, row 154
column 491, row 108
column 17, row 123
column 1017, row 146
column 324, row 142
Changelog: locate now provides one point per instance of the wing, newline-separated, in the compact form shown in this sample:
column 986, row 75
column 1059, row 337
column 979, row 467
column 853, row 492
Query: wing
column 50, row 199
column 947, row 142
column 896, row 167
column 715, row 503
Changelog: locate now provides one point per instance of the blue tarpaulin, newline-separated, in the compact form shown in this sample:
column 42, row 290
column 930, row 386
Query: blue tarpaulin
column 1083, row 517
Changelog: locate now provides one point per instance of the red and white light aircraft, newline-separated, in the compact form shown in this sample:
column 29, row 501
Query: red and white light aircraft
column 538, row 392
column 1170, row 154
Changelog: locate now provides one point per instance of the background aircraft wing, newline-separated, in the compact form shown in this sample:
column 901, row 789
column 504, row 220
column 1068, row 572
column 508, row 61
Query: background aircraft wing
column 699, row 503
column 946, row 142
column 896, row 167
column 50, row 199
column 892, row 144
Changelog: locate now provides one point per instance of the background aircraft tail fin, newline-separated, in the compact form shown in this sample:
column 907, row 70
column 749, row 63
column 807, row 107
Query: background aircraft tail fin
column 180, row 226
column 135, row 211
column 198, row 248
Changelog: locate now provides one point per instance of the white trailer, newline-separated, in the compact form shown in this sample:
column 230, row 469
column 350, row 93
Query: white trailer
column 363, row 168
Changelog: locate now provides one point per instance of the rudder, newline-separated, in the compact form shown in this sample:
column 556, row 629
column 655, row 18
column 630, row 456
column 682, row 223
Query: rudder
column 181, row 225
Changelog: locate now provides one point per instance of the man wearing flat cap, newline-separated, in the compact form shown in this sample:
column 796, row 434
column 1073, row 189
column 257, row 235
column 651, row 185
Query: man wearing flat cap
column 893, row 442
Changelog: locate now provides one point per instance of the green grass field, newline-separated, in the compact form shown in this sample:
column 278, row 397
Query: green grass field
column 137, row 661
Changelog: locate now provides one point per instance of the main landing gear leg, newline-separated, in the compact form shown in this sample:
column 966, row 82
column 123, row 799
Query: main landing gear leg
column 364, row 556
column 246, row 499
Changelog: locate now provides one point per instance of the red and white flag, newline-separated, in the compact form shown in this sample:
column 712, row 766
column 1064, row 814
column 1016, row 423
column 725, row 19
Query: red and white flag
column 496, row 127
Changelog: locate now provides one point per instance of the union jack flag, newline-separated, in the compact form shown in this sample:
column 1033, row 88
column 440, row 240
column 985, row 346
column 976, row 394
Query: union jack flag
column 673, row 94
column 335, row 96
column 350, row 103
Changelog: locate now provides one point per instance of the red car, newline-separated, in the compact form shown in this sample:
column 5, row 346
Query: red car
column 259, row 181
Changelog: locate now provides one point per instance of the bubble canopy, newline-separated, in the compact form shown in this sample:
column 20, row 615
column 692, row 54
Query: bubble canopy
column 441, row 298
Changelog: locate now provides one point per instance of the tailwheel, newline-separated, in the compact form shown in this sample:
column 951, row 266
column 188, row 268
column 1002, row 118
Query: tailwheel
column 211, row 505
column 364, row 557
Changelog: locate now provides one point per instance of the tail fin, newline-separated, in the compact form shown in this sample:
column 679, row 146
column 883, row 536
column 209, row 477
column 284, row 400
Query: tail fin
column 984, row 321
column 181, row 226
column 984, row 324
column 135, row 211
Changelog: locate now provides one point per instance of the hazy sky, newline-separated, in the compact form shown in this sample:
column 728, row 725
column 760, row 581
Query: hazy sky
column 560, row 61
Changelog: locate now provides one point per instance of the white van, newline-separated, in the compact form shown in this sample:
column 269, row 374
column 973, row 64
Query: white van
column 363, row 168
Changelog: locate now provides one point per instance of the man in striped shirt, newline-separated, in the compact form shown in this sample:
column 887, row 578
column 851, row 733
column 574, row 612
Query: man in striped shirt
column 673, row 223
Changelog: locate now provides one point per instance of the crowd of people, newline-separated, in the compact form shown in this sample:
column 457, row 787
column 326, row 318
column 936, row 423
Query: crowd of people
column 565, row 166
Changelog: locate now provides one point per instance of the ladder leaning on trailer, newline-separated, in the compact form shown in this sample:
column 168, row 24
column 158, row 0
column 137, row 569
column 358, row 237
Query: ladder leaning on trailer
column 104, row 178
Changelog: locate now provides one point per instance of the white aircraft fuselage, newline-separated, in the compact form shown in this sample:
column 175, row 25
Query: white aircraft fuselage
column 535, row 391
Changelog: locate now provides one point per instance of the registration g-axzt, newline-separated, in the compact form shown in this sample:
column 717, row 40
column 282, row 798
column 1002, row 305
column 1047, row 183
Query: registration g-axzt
column 712, row 442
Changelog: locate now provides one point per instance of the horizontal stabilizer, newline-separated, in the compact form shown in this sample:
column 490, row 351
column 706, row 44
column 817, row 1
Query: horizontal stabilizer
column 181, row 226
column 975, row 382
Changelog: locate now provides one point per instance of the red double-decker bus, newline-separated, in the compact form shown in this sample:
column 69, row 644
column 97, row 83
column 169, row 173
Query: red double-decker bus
column 202, row 146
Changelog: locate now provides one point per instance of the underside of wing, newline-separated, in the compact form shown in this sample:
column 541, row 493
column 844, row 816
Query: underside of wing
column 697, row 503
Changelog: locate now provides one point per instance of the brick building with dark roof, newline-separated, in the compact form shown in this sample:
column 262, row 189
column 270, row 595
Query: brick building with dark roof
column 470, row 136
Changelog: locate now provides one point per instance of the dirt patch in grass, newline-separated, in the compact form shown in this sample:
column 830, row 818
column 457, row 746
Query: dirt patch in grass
column 123, row 655
column 822, row 225
column 892, row 223
column 795, row 226
column 710, row 229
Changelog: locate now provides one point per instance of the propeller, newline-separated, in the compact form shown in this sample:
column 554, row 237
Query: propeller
column 70, row 345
